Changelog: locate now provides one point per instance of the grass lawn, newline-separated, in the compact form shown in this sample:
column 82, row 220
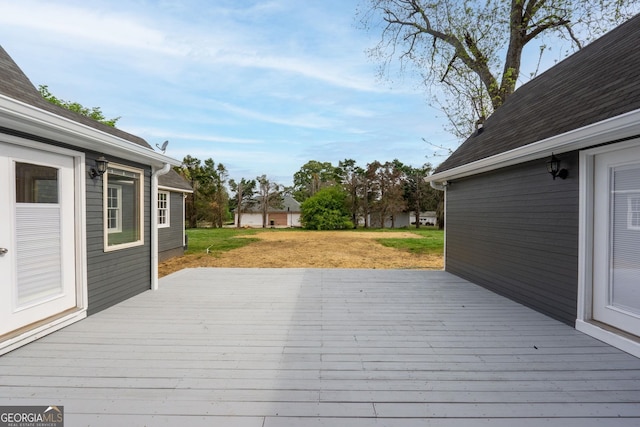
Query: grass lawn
column 432, row 242
column 219, row 240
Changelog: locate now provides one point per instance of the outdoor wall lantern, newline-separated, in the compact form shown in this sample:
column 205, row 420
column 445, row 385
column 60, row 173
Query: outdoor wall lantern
column 553, row 167
column 100, row 169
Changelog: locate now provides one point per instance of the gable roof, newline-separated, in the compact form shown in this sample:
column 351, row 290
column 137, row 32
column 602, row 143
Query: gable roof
column 23, row 109
column 172, row 180
column 597, row 83
column 289, row 205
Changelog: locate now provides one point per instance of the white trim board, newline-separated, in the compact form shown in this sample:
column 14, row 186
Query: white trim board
column 26, row 118
column 620, row 127
column 613, row 339
column 584, row 321
column 82, row 299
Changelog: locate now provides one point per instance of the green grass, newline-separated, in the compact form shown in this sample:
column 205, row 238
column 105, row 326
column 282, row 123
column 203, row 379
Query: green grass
column 431, row 242
column 218, row 239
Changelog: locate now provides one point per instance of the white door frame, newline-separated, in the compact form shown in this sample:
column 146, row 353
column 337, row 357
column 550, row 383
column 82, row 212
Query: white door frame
column 15, row 341
column 585, row 322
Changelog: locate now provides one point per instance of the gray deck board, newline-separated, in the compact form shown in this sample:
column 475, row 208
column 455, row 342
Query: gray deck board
column 317, row 348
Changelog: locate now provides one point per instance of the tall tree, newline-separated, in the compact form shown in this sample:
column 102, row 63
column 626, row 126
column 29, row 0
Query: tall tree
column 418, row 193
column 269, row 196
column 220, row 198
column 350, row 177
column 368, row 191
column 244, row 197
column 469, row 52
column 209, row 200
column 391, row 201
column 190, row 171
column 312, row 177
column 94, row 113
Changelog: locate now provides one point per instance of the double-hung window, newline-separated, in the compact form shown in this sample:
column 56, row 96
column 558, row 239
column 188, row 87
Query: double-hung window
column 163, row 209
column 123, row 189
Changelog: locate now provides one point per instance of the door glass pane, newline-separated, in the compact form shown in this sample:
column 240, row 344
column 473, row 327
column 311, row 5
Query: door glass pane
column 36, row 184
column 624, row 274
column 38, row 234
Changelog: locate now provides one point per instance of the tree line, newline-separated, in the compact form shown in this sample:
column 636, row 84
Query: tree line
column 211, row 204
column 371, row 195
column 341, row 196
column 332, row 197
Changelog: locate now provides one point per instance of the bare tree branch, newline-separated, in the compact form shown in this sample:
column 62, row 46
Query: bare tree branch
column 449, row 41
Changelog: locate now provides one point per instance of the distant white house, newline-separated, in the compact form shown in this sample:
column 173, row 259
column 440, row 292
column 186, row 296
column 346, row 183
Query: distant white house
column 286, row 216
column 404, row 219
column 426, row 218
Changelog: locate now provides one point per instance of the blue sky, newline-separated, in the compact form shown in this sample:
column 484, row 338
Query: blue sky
column 260, row 86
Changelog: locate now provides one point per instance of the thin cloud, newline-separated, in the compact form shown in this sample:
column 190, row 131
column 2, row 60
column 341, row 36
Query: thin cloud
column 261, row 86
column 84, row 26
column 195, row 137
column 311, row 121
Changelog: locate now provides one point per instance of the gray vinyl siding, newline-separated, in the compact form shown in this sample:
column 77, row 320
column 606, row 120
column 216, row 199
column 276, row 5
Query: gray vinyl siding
column 112, row 277
column 515, row 232
column 116, row 275
column 170, row 239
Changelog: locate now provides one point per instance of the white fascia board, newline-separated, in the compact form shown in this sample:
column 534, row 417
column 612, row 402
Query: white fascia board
column 623, row 126
column 26, row 118
column 173, row 189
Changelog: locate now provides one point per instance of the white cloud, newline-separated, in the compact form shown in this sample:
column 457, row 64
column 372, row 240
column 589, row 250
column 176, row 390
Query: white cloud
column 261, row 86
column 226, row 43
column 85, row 25
column 194, row 137
column 309, row 120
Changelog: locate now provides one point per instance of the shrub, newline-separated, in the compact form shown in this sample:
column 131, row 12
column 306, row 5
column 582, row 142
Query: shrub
column 326, row 210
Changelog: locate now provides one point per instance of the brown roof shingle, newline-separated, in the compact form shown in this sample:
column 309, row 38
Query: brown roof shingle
column 173, row 179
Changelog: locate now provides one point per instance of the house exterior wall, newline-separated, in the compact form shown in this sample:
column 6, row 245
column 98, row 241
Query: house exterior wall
column 170, row 239
column 250, row 220
column 515, row 232
column 281, row 219
column 114, row 276
column 402, row 219
column 295, row 219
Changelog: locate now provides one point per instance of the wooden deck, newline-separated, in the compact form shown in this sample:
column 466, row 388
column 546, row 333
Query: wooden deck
column 355, row 348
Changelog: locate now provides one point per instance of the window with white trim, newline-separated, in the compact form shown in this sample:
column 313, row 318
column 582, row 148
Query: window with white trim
column 123, row 188
column 114, row 212
column 633, row 213
column 163, row 209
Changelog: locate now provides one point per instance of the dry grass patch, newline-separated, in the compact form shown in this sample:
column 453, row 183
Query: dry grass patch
column 312, row 249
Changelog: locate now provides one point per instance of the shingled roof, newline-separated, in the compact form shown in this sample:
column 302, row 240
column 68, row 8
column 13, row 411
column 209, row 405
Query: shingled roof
column 600, row 81
column 289, row 204
column 16, row 85
column 174, row 180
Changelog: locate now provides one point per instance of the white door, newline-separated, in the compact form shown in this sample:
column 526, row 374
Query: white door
column 616, row 255
column 37, row 241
